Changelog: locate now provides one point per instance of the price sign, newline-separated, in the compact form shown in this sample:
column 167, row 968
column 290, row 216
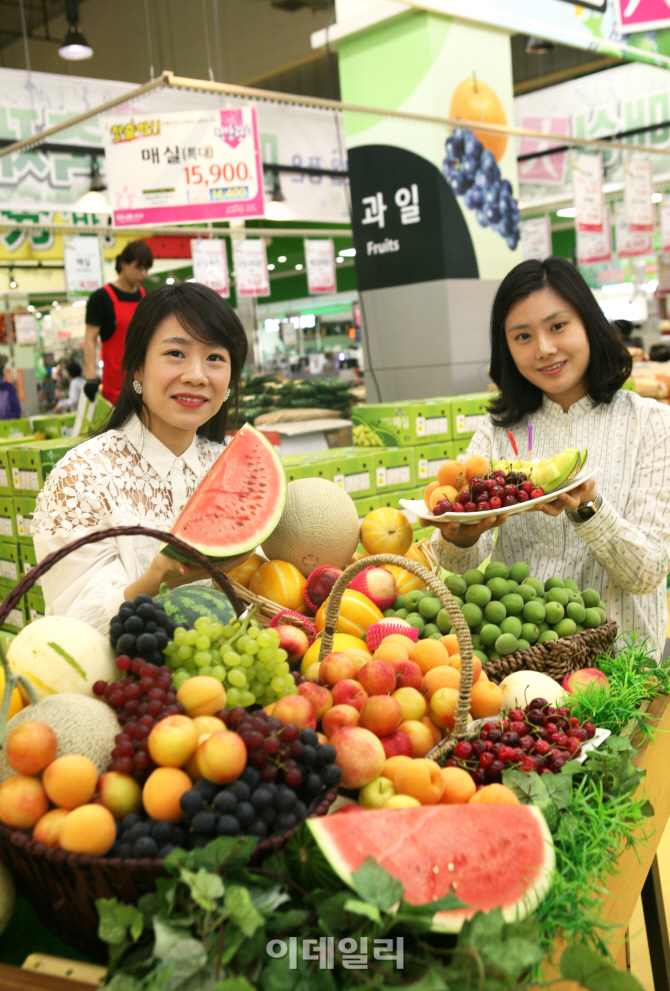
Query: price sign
column 251, row 267
column 83, row 264
column 25, row 328
column 595, row 246
column 210, row 264
column 320, row 262
column 184, row 166
column 629, row 243
column 536, row 238
column 638, row 188
column 587, row 182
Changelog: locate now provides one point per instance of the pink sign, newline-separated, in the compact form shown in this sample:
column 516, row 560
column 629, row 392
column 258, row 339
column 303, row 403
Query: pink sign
column 548, row 169
column 641, row 15
column 595, row 246
column 587, row 185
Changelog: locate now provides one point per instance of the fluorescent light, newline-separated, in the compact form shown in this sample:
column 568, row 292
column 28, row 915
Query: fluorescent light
column 31, row 309
column 299, row 267
column 271, row 268
column 282, row 258
column 348, row 252
column 656, row 197
column 568, row 211
column 169, row 281
column 339, row 260
column 79, row 302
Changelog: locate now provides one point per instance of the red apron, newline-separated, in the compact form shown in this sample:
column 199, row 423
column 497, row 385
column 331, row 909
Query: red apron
column 113, row 348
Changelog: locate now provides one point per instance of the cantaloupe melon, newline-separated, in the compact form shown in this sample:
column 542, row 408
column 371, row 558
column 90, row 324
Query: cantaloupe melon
column 82, row 725
column 62, row 654
column 319, row 526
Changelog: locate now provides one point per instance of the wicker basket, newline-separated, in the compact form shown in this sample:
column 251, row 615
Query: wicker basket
column 556, row 657
column 62, row 886
column 267, row 609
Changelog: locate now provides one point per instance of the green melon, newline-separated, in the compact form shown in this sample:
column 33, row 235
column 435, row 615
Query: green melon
column 187, row 603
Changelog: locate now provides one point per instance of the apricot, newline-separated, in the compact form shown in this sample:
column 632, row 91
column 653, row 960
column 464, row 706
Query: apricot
column 400, row 638
column 420, row 736
column 443, row 492
column 47, row 828
column 322, row 738
column 173, row 741
column 392, row 764
column 443, row 707
column 295, row 709
column 486, row 699
column 400, row 802
column 202, row 695
column 119, row 793
column 31, row 747
column 422, row 780
column 393, row 651
column 88, row 829
column 443, row 676
column 429, row 654
column 162, row 791
column 450, row 643
column 412, row 703
column 451, row 473
column 458, row 786
column 210, row 724
column 22, row 801
column 339, row 716
column 222, row 757
column 476, row 466
column 430, row 488
column 483, row 675
column 455, row 661
column 381, row 714
column 70, row 781
column 268, row 709
column 494, row 794
column 435, row 730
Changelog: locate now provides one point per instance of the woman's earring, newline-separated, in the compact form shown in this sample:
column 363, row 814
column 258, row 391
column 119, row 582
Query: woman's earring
column 137, row 386
column 226, row 395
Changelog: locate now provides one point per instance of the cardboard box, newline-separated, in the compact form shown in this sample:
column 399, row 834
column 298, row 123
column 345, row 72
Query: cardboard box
column 31, row 464
column 8, row 532
column 429, row 457
column 16, row 620
column 468, row 413
column 355, row 473
column 33, row 606
column 14, row 428
column 56, row 425
column 10, row 566
column 5, row 474
column 394, row 469
column 27, row 560
column 401, row 424
column 24, row 507
column 365, row 506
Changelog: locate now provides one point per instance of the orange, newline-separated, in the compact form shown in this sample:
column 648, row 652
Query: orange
column 459, row 787
column 386, row 531
column 430, row 488
column 476, row 466
column 451, row 473
column 429, row 654
column 443, row 492
column 494, row 794
column 450, row 641
column 475, row 100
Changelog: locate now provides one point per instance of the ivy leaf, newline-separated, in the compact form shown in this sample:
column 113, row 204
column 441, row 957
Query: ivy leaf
column 241, row 910
column 375, row 885
column 204, row 887
column 184, row 955
column 559, row 789
column 222, row 850
column 124, row 982
column 116, row 919
column 529, row 788
column 363, row 908
column 588, row 968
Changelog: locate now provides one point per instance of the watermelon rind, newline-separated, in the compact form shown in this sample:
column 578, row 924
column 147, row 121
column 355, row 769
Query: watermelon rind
column 449, row 921
column 251, row 541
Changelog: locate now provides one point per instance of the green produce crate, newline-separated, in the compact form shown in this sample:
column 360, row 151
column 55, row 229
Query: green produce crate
column 16, row 619
column 10, row 565
column 460, row 448
column 24, row 507
column 8, row 532
column 26, row 472
column 354, row 473
column 401, row 424
column 27, row 560
column 394, row 468
column 54, row 426
column 5, row 474
column 33, row 606
column 429, row 457
column 15, row 428
column 365, row 506
column 468, row 413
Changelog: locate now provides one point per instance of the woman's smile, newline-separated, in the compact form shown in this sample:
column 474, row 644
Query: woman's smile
column 554, row 369
column 188, row 399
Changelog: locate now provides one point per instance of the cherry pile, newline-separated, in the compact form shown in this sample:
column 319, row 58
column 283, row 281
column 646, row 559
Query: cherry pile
column 496, row 490
column 538, row 738
column 143, row 697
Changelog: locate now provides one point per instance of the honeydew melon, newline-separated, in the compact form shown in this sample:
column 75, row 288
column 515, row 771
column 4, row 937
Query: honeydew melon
column 62, row 654
column 549, row 473
column 521, row 687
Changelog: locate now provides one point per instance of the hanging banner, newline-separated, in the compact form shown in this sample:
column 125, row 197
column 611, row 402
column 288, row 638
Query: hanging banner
column 251, row 267
column 638, row 188
column 587, row 183
column 167, row 168
column 595, row 246
column 665, row 227
column 641, row 15
column 83, row 264
column 536, row 238
column 320, row 264
column 25, row 328
column 210, row 264
column 629, row 243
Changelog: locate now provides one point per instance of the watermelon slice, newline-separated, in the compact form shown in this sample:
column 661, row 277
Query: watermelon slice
column 238, row 503
column 489, row 856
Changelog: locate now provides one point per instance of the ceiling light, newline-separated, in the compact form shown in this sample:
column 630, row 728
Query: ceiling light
column 282, row 258
column 339, row 260
column 169, row 281
column 75, row 46
column 656, row 197
column 13, row 284
column 94, row 201
column 538, row 46
column 348, row 252
column 276, row 208
column 568, row 211
column 298, row 267
column 31, row 309
column 271, row 268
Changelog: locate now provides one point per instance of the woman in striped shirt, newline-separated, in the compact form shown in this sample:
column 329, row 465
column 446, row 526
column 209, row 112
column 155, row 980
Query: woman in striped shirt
column 559, row 366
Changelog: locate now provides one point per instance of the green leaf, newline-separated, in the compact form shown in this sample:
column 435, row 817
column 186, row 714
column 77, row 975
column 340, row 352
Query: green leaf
column 268, row 900
column 332, row 914
column 124, row 982
column 234, row 984
column 283, row 922
column 431, row 981
column 559, row 788
column 241, row 910
column 528, row 787
column 647, row 809
column 184, row 955
column 375, row 885
column 222, row 850
column 116, row 919
column 363, row 908
column 592, row 971
column 483, row 928
column 204, row 887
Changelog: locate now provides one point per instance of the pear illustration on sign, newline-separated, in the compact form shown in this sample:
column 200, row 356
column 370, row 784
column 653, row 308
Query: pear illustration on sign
column 233, row 130
column 642, row 15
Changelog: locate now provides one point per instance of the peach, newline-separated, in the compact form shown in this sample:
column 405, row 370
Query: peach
column 428, row 491
column 47, row 829
column 412, row 703
column 223, row 756
column 451, row 473
column 392, row 764
column 31, row 747
column 335, row 667
column 420, row 736
column 450, row 643
column 173, row 741
column 349, row 692
column 338, row 717
column 408, row 674
column 381, row 714
column 396, row 744
column 435, row 730
column 476, row 466
column 269, row 708
column 486, row 699
column 458, row 786
column 295, row 709
column 455, row 661
column 210, row 724
column 377, row 678
column 374, row 794
column 163, row 790
column 391, row 652
column 120, row 793
column 88, row 829
column 400, row 802
column 320, row 697
column 494, row 794
column 23, row 801
column 294, row 641
column 443, row 492
column 70, row 781
column 202, row 696
column 443, row 707
column 422, row 780
column 429, row 654
column 443, row 676
column 360, row 755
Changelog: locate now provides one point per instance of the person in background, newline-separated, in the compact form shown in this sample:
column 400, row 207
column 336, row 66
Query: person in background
column 69, row 405
column 10, row 408
column 108, row 313
column 47, row 391
column 624, row 330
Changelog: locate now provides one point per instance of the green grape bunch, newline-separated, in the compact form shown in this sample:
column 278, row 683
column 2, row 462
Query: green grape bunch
column 243, row 656
column 364, row 436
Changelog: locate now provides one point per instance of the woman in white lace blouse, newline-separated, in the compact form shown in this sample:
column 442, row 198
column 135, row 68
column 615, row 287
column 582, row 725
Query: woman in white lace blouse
column 559, row 366
column 185, row 350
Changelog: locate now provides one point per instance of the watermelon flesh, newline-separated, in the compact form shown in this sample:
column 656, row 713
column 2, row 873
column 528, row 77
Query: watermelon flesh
column 238, row 503
column 488, row 856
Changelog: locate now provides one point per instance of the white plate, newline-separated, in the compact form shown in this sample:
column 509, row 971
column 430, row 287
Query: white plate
column 419, row 508
column 595, row 741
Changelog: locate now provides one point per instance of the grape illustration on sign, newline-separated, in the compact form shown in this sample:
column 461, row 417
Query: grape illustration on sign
column 642, row 15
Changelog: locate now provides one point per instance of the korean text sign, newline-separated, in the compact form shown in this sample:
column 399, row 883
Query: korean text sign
column 83, row 264
column 210, row 264
column 587, row 181
column 251, row 267
column 184, row 166
column 320, row 262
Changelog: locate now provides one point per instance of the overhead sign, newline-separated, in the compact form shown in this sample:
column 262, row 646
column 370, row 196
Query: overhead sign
column 210, row 264
column 251, row 267
column 641, row 15
column 587, row 184
column 166, row 168
column 638, row 186
column 25, row 328
column 320, row 264
column 629, row 243
column 83, row 264
column 595, row 246
column 665, row 228
column 536, row 238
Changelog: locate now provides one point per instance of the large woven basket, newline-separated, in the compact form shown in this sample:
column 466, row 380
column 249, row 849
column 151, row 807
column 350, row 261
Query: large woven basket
column 62, row 886
column 557, row 658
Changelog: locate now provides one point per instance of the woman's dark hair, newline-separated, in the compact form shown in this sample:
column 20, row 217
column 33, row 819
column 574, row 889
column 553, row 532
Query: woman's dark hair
column 135, row 251
column 207, row 318
column 73, row 369
column 609, row 365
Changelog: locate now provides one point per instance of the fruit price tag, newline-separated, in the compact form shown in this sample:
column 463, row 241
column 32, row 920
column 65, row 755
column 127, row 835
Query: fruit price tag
column 587, row 182
column 469, row 424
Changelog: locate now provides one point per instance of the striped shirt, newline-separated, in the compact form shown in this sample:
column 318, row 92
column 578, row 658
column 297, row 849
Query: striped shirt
column 624, row 550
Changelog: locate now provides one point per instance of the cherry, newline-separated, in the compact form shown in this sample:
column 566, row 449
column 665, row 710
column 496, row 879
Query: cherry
column 495, row 734
column 543, row 748
column 463, row 749
column 522, row 477
column 478, row 747
column 478, row 485
column 551, row 728
column 573, row 744
column 527, row 742
column 517, row 715
column 590, row 729
column 457, row 508
column 522, row 496
column 483, row 507
column 528, row 764
column 583, row 734
column 511, row 739
column 495, row 502
column 509, row 500
column 575, row 723
column 510, row 490
column 518, row 726
column 470, row 507
column 527, row 487
column 478, row 775
column 537, row 493
column 490, row 484
column 463, row 497
column 443, row 506
column 485, row 760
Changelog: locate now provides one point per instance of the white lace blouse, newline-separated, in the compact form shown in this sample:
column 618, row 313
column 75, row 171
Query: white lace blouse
column 121, row 478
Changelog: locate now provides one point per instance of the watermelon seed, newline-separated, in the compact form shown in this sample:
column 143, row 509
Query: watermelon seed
column 450, row 867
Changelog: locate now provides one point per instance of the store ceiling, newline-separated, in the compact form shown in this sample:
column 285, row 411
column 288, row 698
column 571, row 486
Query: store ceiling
column 38, row 13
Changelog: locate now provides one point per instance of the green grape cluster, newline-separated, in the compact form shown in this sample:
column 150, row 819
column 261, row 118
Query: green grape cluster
column 365, row 436
column 245, row 658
